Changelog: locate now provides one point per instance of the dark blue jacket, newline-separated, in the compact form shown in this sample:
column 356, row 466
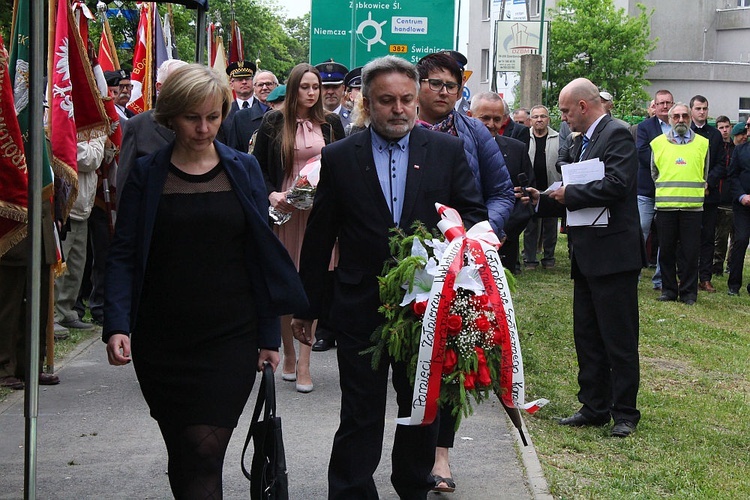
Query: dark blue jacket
column 648, row 130
column 488, row 166
column 739, row 172
column 277, row 289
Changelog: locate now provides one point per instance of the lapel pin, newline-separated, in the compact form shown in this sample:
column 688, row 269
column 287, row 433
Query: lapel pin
column 416, row 167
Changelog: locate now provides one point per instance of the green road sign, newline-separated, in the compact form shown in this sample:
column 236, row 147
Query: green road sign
column 354, row 32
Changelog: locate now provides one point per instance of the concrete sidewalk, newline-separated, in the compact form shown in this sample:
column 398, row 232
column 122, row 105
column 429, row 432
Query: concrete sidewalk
column 97, row 440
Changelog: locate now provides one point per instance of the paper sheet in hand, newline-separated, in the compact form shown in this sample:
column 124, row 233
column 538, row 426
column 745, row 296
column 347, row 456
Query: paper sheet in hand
column 582, row 173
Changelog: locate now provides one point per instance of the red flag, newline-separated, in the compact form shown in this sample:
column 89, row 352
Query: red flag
column 105, row 54
column 62, row 116
column 13, row 170
column 141, row 76
column 236, row 47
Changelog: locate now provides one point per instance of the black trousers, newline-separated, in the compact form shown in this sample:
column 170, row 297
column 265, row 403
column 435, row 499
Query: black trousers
column 605, row 329
column 358, row 443
column 708, row 241
column 739, row 245
column 683, row 228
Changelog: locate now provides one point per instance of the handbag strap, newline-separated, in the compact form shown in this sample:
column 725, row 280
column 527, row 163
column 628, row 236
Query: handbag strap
column 267, row 399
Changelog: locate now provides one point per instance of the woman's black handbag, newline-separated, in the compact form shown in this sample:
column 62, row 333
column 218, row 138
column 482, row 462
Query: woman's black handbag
column 268, row 475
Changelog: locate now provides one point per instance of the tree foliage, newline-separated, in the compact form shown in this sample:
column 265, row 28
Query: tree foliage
column 593, row 39
column 268, row 35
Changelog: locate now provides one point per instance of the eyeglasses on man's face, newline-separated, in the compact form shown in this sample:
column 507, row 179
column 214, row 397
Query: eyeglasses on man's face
column 665, row 103
column 128, row 86
column 436, row 85
column 264, row 84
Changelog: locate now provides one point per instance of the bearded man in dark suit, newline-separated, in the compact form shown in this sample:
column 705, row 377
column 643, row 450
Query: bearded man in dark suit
column 605, row 262
column 392, row 174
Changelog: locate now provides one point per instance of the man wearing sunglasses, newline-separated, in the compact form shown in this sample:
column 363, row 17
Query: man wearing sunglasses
column 679, row 166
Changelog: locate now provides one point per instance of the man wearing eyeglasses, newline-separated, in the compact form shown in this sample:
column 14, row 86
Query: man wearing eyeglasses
column 543, row 152
column 679, row 166
column 647, row 131
column 264, row 83
column 118, row 83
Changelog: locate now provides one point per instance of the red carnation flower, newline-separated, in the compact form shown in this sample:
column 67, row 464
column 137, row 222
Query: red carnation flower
column 470, row 380
column 454, row 324
column 484, row 375
column 450, row 361
column 482, row 323
column 419, row 307
column 480, row 356
column 481, row 300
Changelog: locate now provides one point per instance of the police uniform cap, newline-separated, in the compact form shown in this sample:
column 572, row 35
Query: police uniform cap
column 331, row 72
column 113, row 77
column 277, row 95
column 458, row 57
column 241, row 69
column 353, row 79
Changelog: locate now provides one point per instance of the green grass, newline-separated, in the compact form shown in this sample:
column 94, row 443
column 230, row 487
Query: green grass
column 693, row 440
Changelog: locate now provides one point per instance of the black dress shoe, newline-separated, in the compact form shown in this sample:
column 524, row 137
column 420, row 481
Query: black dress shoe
column 666, row 298
column 323, row 345
column 733, row 293
column 580, row 420
column 623, row 429
column 688, row 302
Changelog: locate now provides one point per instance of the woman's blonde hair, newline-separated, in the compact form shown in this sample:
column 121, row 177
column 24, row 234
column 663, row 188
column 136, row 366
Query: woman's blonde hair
column 317, row 113
column 190, row 85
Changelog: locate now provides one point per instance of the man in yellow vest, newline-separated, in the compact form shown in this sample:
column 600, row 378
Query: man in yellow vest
column 679, row 164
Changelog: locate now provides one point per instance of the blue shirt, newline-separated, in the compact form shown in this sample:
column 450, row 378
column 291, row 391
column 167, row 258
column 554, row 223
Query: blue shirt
column 391, row 162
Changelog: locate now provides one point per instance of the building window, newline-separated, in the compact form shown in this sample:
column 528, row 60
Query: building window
column 744, row 106
column 486, row 9
column 743, row 3
column 485, row 71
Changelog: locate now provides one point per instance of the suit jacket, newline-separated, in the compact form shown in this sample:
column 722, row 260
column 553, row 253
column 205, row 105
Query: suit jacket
column 739, row 173
column 241, row 127
column 618, row 247
column 519, row 132
column 517, row 161
column 647, row 131
column 717, row 172
column 141, row 136
column 276, row 286
column 349, row 206
column 268, row 148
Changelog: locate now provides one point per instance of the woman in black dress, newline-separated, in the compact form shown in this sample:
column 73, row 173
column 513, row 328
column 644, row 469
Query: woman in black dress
column 197, row 277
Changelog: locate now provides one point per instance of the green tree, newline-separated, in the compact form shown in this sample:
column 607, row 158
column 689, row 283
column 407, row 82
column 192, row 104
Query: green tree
column 593, row 39
column 268, row 35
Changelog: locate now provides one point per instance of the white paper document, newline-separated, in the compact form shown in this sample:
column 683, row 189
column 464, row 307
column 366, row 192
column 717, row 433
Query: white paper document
column 582, row 173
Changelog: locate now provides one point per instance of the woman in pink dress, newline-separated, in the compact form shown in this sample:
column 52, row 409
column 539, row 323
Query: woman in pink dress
column 286, row 140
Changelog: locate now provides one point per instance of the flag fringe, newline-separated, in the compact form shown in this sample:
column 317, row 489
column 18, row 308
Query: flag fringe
column 13, row 238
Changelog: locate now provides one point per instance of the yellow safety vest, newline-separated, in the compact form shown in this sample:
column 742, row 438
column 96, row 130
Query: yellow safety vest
column 681, row 182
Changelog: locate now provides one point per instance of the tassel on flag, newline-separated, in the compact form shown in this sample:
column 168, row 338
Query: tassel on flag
column 13, row 170
column 142, row 74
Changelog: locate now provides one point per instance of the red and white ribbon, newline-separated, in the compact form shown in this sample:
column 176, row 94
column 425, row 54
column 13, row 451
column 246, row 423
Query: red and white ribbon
column 481, row 242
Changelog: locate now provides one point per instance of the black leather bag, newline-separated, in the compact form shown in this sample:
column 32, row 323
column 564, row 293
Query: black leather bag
column 268, row 475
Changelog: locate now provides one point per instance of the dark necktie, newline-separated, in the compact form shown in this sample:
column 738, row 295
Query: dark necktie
column 245, row 105
column 585, row 145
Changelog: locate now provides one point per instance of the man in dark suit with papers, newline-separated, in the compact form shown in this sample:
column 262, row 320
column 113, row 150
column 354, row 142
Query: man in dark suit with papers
column 389, row 175
column 605, row 262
